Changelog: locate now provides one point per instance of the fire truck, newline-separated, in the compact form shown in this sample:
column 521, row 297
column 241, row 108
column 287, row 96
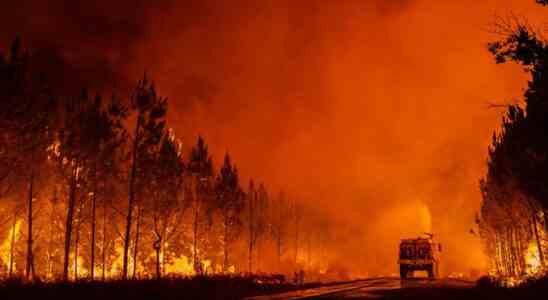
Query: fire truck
column 419, row 254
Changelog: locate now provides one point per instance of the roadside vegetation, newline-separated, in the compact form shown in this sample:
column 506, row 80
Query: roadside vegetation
column 513, row 221
column 100, row 188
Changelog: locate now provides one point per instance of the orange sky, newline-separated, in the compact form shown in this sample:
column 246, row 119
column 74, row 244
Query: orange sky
column 367, row 109
column 375, row 111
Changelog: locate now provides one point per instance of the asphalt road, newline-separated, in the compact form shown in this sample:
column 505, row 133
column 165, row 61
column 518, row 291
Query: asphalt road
column 375, row 288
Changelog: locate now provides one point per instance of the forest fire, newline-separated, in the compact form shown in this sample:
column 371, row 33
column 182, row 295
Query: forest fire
column 273, row 144
column 179, row 217
column 7, row 247
column 532, row 260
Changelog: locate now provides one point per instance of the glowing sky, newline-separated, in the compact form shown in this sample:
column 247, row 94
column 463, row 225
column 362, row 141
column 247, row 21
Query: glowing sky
column 374, row 111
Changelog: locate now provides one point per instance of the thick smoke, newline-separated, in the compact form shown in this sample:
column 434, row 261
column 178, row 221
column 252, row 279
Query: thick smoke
column 373, row 111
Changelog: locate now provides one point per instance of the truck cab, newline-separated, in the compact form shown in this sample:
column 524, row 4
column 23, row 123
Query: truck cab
column 419, row 254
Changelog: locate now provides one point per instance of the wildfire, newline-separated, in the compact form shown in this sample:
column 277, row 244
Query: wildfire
column 180, row 265
column 117, row 265
column 533, row 264
column 79, row 270
column 5, row 248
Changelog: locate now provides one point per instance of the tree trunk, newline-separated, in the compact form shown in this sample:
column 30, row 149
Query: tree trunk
column 251, row 234
column 29, row 233
column 128, row 230
column 498, row 249
column 136, row 243
column 538, row 240
column 104, row 243
column 93, row 225
column 296, row 236
column 195, row 229
column 195, row 250
column 68, row 226
column 258, row 253
column 51, row 225
column 163, row 257
column 76, row 246
column 131, row 198
column 545, row 213
column 12, row 243
column 225, row 244
column 308, row 254
column 279, row 234
column 157, row 247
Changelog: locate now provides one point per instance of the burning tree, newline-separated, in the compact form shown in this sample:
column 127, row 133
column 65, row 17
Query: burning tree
column 72, row 163
column 256, row 205
column 86, row 150
column 280, row 213
column 27, row 120
column 200, row 169
column 166, row 205
column 514, row 219
column 151, row 110
column 229, row 201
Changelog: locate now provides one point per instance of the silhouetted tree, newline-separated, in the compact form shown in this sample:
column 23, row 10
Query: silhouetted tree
column 229, row 202
column 151, row 110
column 514, row 190
column 164, row 191
column 280, row 214
column 104, row 136
column 72, row 160
column 200, row 170
column 262, row 221
column 68, row 156
column 251, row 200
column 27, row 119
column 297, row 211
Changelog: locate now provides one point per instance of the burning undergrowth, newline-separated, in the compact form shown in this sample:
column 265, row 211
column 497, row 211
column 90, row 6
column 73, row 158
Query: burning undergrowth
column 104, row 189
column 513, row 220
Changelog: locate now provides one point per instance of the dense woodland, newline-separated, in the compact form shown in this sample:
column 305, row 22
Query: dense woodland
column 97, row 188
column 514, row 213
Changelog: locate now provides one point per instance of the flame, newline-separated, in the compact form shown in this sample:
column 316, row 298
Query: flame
column 532, row 259
column 116, row 266
column 180, row 265
column 82, row 270
column 5, row 248
column 118, row 263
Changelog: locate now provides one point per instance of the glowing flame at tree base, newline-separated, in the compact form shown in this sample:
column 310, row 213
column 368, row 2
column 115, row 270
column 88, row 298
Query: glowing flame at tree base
column 8, row 244
column 533, row 264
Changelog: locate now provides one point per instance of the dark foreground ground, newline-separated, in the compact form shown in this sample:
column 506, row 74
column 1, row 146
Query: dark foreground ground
column 452, row 293
column 538, row 290
column 213, row 287
column 441, row 289
column 242, row 288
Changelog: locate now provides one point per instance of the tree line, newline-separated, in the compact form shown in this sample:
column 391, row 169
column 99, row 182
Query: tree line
column 513, row 220
column 102, row 188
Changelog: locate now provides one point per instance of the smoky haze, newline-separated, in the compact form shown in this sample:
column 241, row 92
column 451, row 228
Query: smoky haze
column 374, row 112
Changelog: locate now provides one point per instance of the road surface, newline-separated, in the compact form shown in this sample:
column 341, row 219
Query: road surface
column 373, row 288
